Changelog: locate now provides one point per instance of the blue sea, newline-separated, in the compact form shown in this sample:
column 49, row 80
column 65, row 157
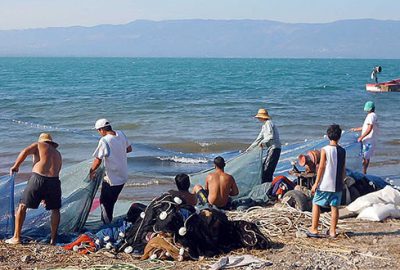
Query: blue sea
column 179, row 112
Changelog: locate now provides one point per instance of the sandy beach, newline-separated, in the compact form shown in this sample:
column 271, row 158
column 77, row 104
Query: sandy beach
column 363, row 245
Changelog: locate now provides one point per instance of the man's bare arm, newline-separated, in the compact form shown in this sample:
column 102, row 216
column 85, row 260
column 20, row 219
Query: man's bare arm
column 368, row 131
column 234, row 189
column 207, row 179
column 30, row 150
column 356, row 129
column 95, row 165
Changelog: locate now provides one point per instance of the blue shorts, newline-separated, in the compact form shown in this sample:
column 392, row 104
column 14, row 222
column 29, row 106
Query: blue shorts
column 368, row 150
column 326, row 198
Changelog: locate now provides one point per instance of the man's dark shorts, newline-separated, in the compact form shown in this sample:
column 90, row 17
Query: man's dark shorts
column 42, row 188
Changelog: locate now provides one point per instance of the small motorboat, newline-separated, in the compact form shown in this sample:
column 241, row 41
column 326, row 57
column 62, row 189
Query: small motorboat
column 390, row 86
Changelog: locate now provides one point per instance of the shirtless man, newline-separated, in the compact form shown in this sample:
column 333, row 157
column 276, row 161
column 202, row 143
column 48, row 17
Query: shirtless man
column 182, row 182
column 219, row 186
column 44, row 184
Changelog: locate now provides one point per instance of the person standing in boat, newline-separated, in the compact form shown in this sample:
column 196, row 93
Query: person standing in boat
column 369, row 132
column 374, row 74
column 113, row 148
column 269, row 140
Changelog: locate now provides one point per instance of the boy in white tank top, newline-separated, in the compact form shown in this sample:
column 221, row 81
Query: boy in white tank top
column 328, row 186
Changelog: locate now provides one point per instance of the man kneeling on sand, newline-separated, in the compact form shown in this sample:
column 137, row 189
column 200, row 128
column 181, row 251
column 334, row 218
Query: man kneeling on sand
column 44, row 184
column 219, row 187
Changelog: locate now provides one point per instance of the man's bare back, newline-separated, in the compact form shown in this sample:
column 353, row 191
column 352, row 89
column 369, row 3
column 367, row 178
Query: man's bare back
column 220, row 186
column 47, row 159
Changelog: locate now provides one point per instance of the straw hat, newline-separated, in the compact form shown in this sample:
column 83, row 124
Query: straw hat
column 263, row 114
column 46, row 137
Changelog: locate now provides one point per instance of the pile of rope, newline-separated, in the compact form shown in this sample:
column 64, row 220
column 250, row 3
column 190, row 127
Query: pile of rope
column 281, row 219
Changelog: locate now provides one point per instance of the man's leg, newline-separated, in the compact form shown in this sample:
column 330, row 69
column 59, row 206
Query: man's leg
column 201, row 194
column 19, row 221
column 315, row 218
column 108, row 198
column 365, row 165
column 270, row 164
column 334, row 221
column 55, row 221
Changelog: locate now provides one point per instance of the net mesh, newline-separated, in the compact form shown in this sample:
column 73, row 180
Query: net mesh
column 246, row 168
column 78, row 192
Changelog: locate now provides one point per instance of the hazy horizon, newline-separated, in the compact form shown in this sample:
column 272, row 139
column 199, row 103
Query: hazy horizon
column 65, row 13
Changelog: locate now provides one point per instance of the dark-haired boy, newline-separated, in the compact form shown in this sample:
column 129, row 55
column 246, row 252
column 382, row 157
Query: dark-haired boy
column 219, row 186
column 328, row 185
column 182, row 182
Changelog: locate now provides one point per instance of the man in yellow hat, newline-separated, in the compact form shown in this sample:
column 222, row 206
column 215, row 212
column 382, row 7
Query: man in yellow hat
column 269, row 140
column 44, row 184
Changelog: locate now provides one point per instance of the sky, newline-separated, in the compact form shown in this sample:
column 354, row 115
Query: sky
column 23, row 14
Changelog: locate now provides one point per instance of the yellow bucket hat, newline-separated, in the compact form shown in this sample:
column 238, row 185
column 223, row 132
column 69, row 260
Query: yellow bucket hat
column 46, row 137
column 263, row 114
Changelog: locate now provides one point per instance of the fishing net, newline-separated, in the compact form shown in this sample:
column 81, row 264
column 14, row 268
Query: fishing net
column 247, row 167
column 6, row 206
column 78, row 192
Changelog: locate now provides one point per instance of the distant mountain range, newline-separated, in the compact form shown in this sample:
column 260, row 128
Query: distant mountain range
column 211, row 38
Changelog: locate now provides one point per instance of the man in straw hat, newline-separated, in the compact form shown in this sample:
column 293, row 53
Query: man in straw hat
column 44, row 184
column 269, row 140
column 113, row 148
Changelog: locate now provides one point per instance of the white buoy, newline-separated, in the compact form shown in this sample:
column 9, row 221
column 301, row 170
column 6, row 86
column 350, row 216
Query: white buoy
column 163, row 215
column 153, row 257
column 142, row 215
column 106, row 238
column 182, row 231
column 108, row 245
column 121, row 234
column 75, row 248
column 181, row 251
column 128, row 249
column 177, row 200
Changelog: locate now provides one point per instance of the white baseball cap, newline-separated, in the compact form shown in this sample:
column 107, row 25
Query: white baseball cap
column 101, row 123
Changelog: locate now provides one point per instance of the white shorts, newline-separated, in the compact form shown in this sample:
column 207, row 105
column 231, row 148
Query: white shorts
column 368, row 150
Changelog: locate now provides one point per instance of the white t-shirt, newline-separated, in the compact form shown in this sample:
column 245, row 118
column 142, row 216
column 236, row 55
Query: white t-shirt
column 113, row 150
column 371, row 119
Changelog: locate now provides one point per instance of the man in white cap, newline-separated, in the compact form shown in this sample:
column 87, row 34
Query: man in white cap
column 269, row 140
column 44, row 184
column 113, row 148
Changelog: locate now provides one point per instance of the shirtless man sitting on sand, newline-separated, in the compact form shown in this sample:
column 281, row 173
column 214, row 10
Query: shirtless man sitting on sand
column 182, row 182
column 44, row 184
column 219, row 186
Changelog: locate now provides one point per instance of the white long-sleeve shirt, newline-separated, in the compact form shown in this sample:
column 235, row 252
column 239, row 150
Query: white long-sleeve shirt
column 268, row 137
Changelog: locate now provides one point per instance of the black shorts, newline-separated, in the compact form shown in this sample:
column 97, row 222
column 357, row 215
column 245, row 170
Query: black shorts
column 42, row 188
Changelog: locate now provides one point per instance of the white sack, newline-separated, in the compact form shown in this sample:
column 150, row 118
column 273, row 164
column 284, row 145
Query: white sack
column 379, row 212
column 387, row 195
